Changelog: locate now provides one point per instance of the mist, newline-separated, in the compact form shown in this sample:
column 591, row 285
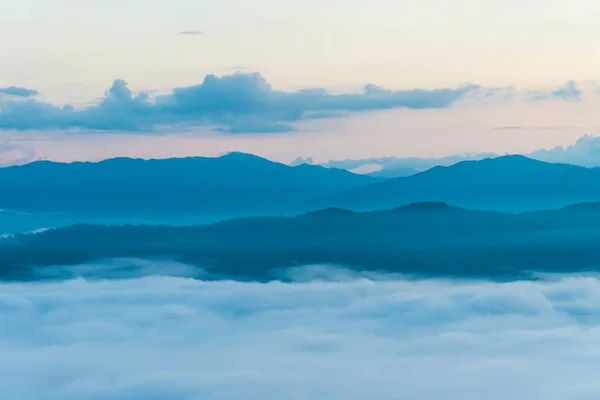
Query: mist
column 337, row 336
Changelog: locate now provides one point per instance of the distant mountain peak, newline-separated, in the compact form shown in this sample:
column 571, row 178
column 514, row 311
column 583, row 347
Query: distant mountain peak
column 513, row 158
column 232, row 184
column 513, row 165
column 426, row 206
column 238, row 155
column 506, row 160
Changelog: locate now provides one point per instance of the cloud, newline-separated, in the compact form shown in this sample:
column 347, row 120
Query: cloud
column 412, row 163
column 351, row 339
column 192, row 33
column 569, row 91
column 585, row 151
column 16, row 154
column 371, row 168
column 237, row 103
column 494, row 94
column 18, row 91
column 302, row 160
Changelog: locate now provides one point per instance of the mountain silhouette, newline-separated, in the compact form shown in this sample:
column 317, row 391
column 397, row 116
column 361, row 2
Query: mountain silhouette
column 425, row 239
column 507, row 183
column 233, row 184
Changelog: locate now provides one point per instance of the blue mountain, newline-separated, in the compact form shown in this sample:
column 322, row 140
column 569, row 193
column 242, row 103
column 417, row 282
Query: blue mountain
column 233, row 184
column 507, row 183
column 431, row 239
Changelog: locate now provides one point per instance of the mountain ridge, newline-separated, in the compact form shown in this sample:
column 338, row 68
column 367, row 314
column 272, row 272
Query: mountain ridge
column 506, row 183
column 237, row 183
column 424, row 239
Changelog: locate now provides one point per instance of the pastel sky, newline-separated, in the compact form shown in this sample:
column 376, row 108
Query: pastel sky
column 338, row 78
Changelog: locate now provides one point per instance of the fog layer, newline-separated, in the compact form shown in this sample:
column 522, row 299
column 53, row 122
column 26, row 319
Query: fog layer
column 355, row 338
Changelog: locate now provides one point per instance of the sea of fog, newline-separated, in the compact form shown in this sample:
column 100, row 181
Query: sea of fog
column 328, row 334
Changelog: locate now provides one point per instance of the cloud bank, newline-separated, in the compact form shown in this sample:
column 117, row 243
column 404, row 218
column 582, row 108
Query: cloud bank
column 585, row 151
column 18, row 91
column 351, row 339
column 237, row 103
column 569, row 91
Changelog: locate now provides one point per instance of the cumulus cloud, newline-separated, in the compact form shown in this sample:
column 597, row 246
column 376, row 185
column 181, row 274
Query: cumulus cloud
column 351, row 339
column 585, row 151
column 568, row 91
column 18, row 91
column 237, row 103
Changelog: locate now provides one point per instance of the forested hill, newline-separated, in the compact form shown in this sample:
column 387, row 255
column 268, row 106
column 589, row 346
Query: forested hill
column 428, row 239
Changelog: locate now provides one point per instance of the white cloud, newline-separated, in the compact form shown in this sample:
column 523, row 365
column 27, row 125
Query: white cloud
column 15, row 154
column 175, row 338
column 585, row 151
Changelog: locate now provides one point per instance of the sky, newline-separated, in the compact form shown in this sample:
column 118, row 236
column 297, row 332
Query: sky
column 283, row 79
column 157, row 338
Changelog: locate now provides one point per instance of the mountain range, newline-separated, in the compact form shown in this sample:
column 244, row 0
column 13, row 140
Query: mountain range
column 583, row 152
column 234, row 184
column 509, row 183
column 422, row 239
column 240, row 184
